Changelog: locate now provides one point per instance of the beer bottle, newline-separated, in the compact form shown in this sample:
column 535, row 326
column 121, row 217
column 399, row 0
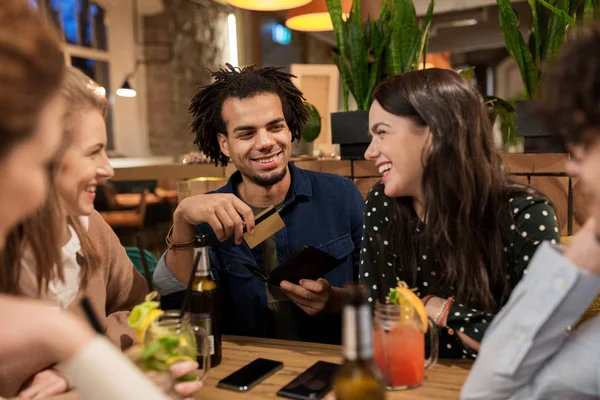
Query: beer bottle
column 204, row 301
column 358, row 378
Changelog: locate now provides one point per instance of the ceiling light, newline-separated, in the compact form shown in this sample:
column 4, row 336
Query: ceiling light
column 267, row 5
column 314, row 17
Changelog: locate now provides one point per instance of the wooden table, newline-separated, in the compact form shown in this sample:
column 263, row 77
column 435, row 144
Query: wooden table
column 443, row 380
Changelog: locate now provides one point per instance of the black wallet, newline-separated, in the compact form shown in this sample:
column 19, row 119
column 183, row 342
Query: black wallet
column 306, row 263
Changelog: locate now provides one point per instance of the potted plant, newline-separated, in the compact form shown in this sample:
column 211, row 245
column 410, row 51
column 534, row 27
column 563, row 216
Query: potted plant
column 547, row 34
column 310, row 132
column 369, row 52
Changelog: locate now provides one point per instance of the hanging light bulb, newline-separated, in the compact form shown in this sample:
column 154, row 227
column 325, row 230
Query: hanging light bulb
column 267, row 5
column 314, row 16
column 126, row 90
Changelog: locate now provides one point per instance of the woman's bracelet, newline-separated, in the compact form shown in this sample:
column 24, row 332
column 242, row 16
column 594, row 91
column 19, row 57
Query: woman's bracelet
column 444, row 310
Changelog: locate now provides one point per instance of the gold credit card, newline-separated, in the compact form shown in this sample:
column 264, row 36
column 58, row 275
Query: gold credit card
column 267, row 223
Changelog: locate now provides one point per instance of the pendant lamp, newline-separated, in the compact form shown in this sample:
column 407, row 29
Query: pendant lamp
column 267, row 5
column 314, row 17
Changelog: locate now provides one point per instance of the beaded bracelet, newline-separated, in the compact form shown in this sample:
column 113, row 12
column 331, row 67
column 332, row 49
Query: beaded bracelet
column 443, row 314
column 439, row 314
column 446, row 310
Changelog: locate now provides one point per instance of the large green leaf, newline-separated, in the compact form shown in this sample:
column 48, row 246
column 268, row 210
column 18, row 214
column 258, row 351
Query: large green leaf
column 421, row 40
column 394, row 56
column 467, row 74
column 357, row 53
column 534, row 40
column 335, row 12
column 515, row 44
column 406, row 21
column 561, row 11
column 312, row 129
column 588, row 11
column 556, row 28
column 425, row 34
column 379, row 48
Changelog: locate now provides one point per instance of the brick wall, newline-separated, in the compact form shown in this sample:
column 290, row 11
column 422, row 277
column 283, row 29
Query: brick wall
column 179, row 45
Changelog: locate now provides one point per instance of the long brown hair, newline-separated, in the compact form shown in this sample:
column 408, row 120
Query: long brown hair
column 43, row 232
column 32, row 69
column 465, row 191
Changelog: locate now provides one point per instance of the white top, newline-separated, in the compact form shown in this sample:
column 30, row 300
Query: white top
column 99, row 371
column 59, row 293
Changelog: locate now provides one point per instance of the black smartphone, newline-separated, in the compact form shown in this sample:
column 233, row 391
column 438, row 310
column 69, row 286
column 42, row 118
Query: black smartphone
column 314, row 383
column 250, row 375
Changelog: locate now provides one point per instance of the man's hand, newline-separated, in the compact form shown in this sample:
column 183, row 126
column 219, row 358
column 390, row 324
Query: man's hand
column 310, row 296
column 223, row 212
column 584, row 248
column 45, row 384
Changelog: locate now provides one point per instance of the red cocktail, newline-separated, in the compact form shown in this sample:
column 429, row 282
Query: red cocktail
column 399, row 347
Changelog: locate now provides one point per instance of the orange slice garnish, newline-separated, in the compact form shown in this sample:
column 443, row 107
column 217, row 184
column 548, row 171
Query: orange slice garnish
column 410, row 304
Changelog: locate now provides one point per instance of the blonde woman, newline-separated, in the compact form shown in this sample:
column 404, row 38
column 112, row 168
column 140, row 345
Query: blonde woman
column 92, row 262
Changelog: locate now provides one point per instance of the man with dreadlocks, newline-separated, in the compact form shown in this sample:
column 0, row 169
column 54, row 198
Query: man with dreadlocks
column 250, row 117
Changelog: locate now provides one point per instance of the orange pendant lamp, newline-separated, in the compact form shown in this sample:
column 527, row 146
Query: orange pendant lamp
column 267, row 5
column 314, row 17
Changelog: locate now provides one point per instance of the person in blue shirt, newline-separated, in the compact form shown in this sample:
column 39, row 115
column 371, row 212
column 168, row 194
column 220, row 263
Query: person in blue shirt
column 250, row 117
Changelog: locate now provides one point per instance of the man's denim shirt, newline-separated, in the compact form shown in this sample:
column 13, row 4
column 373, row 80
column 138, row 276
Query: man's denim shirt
column 321, row 210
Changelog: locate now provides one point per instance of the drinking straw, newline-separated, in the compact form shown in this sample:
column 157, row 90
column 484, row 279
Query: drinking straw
column 138, row 243
column 188, row 290
column 91, row 315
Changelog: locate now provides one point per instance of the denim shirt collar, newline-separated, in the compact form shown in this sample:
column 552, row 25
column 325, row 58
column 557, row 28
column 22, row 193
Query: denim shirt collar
column 300, row 186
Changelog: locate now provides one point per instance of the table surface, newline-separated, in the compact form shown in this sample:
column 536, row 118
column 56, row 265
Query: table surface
column 443, row 381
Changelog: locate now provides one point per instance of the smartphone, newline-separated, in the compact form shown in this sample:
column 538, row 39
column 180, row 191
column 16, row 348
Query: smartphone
column 314, row 383
column 250, row 375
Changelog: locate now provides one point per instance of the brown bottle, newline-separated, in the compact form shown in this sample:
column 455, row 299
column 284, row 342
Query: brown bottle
column 204, row 301
column 358, row 378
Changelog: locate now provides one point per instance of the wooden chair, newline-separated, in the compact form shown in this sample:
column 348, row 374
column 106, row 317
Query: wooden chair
column 128, row 218
column 125, row 201
column 594, row 308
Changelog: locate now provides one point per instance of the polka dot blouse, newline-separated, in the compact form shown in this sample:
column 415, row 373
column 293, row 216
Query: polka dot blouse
column 533, row 221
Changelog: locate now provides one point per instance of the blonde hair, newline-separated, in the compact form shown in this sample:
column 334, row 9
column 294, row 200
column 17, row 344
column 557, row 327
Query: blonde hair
column 81, row 94
column 43, row 231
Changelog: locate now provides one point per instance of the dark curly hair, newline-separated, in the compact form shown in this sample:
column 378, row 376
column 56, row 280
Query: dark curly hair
column 232, row 82
column 569, row 95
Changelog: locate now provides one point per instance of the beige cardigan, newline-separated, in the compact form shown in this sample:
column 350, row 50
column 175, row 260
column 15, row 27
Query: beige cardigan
column 113, row 290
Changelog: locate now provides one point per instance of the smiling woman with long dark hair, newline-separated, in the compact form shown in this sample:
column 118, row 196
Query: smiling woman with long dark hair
column 445, row 217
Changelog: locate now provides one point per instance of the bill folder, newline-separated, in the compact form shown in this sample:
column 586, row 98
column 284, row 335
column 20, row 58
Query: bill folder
column 306, row 263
